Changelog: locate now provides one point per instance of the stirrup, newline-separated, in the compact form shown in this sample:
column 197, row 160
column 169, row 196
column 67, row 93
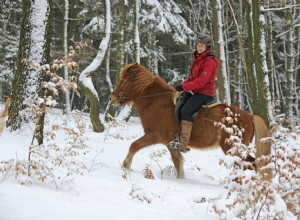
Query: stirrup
column 174, row 143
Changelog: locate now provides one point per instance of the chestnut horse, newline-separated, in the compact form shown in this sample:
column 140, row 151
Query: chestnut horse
column 153, row 99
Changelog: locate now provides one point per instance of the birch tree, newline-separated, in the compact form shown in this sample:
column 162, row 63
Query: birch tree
column 136, row 51
column 65, row 46
column 85, row 78
column 223, row 80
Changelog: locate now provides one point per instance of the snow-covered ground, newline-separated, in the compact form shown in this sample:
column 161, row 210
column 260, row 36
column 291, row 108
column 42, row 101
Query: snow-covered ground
column 106, row 190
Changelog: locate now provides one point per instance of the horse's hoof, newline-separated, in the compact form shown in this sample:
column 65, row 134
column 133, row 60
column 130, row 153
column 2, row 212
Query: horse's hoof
column 180, row 176
column 126, row 168
column 126, row 165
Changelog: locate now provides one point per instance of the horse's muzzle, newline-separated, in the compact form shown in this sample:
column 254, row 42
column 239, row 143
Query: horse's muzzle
column 114, row 100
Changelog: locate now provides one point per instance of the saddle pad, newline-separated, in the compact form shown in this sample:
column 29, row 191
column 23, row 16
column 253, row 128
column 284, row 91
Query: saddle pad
column 210, row 105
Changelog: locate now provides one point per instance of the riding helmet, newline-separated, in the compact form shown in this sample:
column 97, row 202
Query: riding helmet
column 205, row 39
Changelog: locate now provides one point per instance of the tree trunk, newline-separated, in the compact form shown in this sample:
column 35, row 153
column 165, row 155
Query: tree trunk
column 94, row 107
column 36, row 50
column 121, row 36
column 112, row 110
column 85, row 78
column 44, row 77
column 290, row 67
column 250, row 71
column 19, row 80
column 270, row 59
column 136, row 9
column 297, row 72
column 223, row 81
column 262, row 106
column 65, row 46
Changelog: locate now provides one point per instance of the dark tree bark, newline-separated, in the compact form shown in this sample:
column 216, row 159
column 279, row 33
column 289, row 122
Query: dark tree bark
column 19, row 80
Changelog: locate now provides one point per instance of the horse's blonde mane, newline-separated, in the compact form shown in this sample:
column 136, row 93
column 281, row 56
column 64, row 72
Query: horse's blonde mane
column 142, row 77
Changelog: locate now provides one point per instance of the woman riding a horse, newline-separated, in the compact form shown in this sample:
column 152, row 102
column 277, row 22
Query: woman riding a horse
column 153, row 99
column 201, row 83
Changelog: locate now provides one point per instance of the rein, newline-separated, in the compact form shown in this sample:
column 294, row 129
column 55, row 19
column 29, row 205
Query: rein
column 147, row 96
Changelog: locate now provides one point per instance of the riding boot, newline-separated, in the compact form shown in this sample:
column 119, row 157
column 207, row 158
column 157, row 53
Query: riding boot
column 181, row 140
column 185, row 134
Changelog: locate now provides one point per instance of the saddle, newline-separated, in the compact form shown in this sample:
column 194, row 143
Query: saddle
column 181, row 98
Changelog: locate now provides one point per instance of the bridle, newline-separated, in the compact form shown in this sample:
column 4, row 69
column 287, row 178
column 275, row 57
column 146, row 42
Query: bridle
column 121, row 94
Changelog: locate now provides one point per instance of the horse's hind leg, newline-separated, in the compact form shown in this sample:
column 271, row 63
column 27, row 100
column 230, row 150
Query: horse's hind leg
column 178, row 162
column 135, row 147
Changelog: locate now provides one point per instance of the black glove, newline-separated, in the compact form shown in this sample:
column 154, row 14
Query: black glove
column 179, row 88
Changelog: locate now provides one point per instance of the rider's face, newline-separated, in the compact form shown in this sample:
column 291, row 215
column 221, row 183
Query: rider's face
column 201, row 47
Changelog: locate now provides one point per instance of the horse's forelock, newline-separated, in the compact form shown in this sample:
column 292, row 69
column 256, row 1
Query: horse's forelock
column 129, row 68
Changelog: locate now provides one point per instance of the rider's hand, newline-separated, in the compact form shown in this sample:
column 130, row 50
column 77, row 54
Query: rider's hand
column 179, row 88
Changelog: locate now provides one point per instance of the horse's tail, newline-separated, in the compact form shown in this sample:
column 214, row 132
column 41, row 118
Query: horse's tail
column 263, row 145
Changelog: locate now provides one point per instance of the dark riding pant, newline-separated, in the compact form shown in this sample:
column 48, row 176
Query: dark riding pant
column 192, row 105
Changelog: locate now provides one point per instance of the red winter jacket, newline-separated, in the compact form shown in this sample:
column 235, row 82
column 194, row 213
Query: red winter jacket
column 203, row 74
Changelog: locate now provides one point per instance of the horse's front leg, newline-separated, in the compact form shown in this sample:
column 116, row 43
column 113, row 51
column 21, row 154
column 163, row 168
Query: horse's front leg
column 140, row 143
column 178, row 160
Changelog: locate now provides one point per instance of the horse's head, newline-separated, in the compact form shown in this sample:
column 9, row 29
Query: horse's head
column 133, row 77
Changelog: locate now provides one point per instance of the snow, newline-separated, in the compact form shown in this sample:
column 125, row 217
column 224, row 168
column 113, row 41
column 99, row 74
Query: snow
column 164, row 16
column 105, row 190
column 108, row 191
column 37, row 19
column 38, row 22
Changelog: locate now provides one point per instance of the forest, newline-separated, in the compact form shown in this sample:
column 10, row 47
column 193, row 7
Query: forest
column 80, row 46
column 60, row 61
